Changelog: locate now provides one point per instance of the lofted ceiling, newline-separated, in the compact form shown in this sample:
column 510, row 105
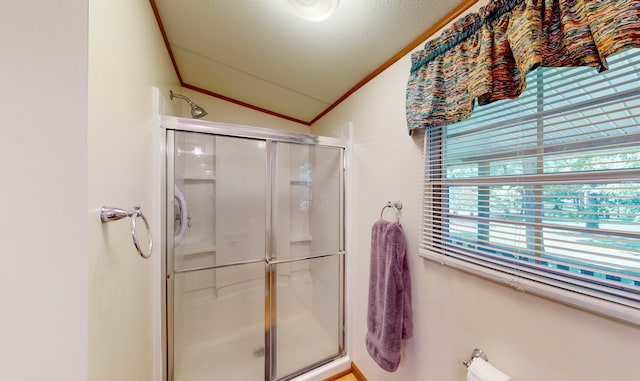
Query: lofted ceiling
column 257, row 54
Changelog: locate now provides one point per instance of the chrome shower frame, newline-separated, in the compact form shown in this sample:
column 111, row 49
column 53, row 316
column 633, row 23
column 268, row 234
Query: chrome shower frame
column 172, row 124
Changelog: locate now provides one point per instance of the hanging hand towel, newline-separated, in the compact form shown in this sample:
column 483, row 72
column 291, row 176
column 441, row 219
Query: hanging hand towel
column 389, row 311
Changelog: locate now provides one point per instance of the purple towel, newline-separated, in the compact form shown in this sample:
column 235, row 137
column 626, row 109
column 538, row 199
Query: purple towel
column 389, row 315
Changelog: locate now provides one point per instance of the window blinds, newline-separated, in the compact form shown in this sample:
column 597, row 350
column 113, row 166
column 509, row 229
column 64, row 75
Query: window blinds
column 545, row 188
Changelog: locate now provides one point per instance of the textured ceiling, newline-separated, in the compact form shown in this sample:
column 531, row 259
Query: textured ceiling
column 255, row 53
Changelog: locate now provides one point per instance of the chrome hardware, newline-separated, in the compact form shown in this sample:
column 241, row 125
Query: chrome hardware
column 477, row 353
column 108, row 214
column 396, row 205
column 112, row 214
column 182, row 218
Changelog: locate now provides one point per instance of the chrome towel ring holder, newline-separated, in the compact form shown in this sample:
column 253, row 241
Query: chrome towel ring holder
column 396, row 206
column 108, row 214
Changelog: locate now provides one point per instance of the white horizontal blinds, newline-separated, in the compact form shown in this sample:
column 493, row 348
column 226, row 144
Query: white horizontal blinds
column 546, row 186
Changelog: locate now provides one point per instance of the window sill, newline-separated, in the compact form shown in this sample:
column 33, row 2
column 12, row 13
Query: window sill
column 558, row 292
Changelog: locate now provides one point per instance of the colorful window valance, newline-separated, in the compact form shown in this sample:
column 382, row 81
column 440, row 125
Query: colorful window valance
column 485, row 56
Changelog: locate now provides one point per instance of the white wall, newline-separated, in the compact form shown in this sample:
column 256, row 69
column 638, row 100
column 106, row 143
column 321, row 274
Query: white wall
column 530, row 338
column 127, row 58
column 43, row 281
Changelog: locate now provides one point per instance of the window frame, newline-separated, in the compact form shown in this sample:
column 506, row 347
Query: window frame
column 435, row 220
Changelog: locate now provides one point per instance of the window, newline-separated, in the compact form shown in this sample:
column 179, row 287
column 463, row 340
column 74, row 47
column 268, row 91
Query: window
column 543, row 192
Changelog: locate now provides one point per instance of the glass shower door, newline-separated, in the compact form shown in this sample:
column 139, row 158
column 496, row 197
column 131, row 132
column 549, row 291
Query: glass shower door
column 216, row 290
column 255, row 264
column 308, row 261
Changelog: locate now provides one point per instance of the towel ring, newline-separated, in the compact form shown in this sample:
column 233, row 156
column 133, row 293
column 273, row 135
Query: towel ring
column 397, row 205
column 108, row 214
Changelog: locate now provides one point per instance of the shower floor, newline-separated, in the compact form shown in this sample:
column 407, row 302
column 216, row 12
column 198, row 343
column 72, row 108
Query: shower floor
column 240, row 357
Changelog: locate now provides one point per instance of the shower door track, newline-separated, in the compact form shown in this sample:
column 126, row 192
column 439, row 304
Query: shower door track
column 280, row 261
column 212, row 267
column 267, row 261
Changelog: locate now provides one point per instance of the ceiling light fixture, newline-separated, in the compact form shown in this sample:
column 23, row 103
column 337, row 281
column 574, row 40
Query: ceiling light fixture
column 310, row 10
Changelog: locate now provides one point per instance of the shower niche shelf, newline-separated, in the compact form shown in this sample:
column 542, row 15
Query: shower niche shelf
column 197, row 177
column 301, row 182
column 301, row 239
column 192, row 250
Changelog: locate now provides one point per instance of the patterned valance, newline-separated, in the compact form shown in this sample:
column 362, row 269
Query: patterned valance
column 485, row 56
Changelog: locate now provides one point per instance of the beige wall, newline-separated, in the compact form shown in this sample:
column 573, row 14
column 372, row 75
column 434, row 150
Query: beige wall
column 59, row 172
column 227, row 112
column 528, row 337
column 127, row 59
column 43, row 285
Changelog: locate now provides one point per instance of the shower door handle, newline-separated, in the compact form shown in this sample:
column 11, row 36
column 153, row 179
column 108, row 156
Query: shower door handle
column 182, row 218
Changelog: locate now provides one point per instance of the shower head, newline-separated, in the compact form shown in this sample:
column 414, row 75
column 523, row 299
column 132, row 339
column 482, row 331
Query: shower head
column 197, row 112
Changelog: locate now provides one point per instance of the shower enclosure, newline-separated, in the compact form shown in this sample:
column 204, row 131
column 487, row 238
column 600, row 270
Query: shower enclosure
column 254, row 244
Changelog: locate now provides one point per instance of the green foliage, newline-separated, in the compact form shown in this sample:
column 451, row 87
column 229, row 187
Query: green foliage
column 619, row 201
